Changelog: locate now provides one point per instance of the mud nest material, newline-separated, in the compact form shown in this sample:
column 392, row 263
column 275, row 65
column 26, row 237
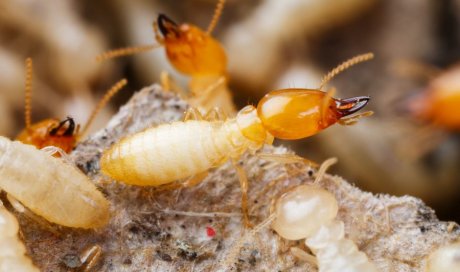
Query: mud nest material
column 173, row 230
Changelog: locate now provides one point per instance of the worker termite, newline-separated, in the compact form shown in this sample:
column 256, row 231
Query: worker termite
column 195, row 53
column 12, row 251
column 51, row 132
column 445, row 258
column 49, row 187
column 188, row 149
column 309, row 212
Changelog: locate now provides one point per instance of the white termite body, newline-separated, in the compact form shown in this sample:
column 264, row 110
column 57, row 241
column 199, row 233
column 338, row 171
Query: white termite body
column 49, row 187
column 309, row 213
column 12, row 250
column 175, row 151
column 446, row 258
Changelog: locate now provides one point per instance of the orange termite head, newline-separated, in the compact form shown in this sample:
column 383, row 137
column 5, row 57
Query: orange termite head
column 51, row 132
column 191, row 50
column 440, row 103
column 298, row 113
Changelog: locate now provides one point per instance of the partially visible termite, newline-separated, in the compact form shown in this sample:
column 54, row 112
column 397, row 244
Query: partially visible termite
column 437, row 106
column 52, row 132
column 49, row 187
column 195, row 53
column 12, row 250
column 187, row 150
column 309, row 212
column 445, row 258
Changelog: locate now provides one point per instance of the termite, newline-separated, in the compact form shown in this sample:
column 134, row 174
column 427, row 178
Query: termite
column 439, row 104
column 193, row 52
column 309, row 212
column 180, row 150
column 12, row 252
column 52, row 132
column 49, row 187
column 445, row 258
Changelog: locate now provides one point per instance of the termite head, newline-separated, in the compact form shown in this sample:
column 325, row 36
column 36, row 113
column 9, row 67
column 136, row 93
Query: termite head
column 51, row 132
column 251, row 126
column 299, row 113
column 191, row 50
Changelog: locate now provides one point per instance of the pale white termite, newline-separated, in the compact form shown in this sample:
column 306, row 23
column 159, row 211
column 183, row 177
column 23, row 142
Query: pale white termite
column 49, row 187
column 308, row 212
column 180, row 150
column 445, row 258
column 12, row 250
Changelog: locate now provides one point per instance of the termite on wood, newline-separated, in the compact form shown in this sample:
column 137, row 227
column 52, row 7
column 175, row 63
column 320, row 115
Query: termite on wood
column 188, row 149
column 309, row 212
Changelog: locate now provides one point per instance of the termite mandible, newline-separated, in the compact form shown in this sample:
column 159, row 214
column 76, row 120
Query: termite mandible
column 52, row 132
column 193, row 52
column 188, row 149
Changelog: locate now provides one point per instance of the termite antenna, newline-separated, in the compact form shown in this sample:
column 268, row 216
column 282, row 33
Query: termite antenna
column 28, row 95
column 345, row 65
column 109, row 94
column 126, row 51
column 323, row 168
column 216, row 16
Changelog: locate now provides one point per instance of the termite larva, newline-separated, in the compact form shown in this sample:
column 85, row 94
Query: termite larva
column 195, row 53
column 309, row 212
column 51, row 132
column 12, row 250
column 180, row 150
column 49, row 187
column 445, row 258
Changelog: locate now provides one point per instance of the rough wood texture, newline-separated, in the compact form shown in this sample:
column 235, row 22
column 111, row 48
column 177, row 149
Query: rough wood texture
column 167, row 231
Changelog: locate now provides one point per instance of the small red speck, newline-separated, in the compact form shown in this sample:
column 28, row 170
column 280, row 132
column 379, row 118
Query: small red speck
column 210, row 232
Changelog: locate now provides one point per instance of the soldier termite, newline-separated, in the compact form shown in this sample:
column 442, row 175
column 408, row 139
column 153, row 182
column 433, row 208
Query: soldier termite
column 309, row 212
column 12, row 251
column 49, row 187
column 51, row 132
column 195, row 53
column 186, row 149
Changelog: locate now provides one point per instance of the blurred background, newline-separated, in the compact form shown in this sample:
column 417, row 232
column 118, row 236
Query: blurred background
column 271, row 44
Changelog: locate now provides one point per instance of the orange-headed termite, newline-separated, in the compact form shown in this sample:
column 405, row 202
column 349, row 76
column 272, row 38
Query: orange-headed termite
column 439, row 104
column 52, row 132
column 12, row 252
column 195, row 53
column 49, row 187
column 179, row 150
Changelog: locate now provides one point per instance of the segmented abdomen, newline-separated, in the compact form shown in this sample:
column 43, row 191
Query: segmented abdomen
column 49, row 187
column 167, row 153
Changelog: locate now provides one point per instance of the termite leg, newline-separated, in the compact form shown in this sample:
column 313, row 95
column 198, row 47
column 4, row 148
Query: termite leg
column 190, row 182
column 193, row 114
column 304, row 256
column 286, row 158
column 91, row 257
column 51, row 150
column 37, row 219
column 215, row 114
column 168, row 84
column 244, row 184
